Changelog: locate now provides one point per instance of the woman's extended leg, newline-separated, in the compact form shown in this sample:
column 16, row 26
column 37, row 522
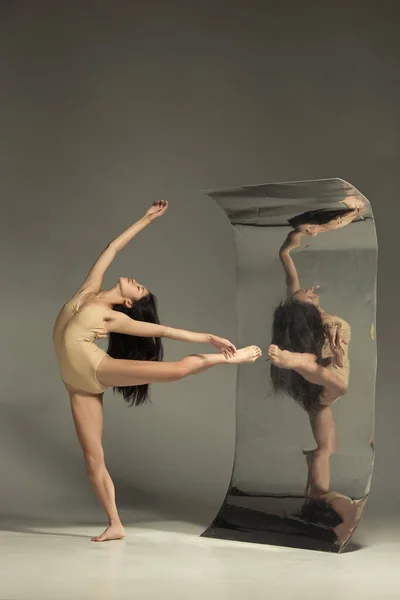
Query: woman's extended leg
column 306, row 365
column 87, row 412
column 117, row 372
column 321, row 420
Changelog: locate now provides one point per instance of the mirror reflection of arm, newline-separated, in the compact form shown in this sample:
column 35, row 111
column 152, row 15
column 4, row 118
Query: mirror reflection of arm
column 292, row 280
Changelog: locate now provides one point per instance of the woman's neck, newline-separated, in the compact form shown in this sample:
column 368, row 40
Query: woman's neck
column 110, row 297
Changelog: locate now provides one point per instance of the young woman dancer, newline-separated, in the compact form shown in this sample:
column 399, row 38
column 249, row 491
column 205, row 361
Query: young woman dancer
column 128, row 314
column 310, row 362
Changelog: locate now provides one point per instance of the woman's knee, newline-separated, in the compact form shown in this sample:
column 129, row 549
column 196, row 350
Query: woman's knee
column 94, row 460
column 335, row 391
column 325, row 449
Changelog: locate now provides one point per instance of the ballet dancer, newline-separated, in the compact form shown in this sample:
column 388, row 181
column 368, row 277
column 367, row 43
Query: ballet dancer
column 127, row 313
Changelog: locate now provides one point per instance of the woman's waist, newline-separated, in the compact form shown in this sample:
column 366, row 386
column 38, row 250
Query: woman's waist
column 79, row 346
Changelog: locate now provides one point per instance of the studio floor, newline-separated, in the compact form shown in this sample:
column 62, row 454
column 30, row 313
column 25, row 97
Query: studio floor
column 167, row 559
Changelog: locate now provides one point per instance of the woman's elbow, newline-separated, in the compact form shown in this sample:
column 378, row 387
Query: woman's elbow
column 163, row 332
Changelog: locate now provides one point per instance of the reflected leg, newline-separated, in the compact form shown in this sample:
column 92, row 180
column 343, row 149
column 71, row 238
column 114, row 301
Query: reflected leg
column 306, row 365
column 318, row 460
column 322, row 422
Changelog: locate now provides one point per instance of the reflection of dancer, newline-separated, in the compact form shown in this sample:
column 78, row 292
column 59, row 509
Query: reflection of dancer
column 127, row 312
column 317, row 221
column 309, row 356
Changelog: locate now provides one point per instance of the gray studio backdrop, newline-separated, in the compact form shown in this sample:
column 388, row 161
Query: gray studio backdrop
column 107, row 107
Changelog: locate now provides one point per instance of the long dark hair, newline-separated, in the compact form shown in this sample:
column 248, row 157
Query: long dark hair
column 320, row 216
column 298, row 327
column 131, row 347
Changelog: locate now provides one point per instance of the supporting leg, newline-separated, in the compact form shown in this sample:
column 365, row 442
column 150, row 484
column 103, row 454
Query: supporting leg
column 87, row 412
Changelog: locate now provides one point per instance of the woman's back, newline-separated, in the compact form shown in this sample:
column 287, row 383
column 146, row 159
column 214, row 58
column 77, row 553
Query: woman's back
column 76, row 328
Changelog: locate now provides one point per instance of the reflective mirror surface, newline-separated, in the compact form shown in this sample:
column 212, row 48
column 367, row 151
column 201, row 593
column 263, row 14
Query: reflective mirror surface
column 306, row 278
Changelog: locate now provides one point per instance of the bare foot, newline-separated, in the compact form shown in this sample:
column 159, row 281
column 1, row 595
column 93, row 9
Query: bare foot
column 113, row 532
column 245, row 355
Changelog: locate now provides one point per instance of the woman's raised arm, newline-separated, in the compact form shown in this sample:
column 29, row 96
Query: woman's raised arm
column 94, row 279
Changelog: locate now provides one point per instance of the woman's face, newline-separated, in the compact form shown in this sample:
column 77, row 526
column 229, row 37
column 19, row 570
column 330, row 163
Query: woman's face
column 309, row 229
column 132, row 289
column 307, row 296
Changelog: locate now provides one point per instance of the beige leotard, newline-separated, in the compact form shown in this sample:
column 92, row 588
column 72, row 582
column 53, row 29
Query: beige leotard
column 343, row 341
column 75, row 330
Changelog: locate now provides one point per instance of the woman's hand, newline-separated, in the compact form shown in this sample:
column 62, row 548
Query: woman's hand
column 223, row 345
column 336, row 342
column 156, row 210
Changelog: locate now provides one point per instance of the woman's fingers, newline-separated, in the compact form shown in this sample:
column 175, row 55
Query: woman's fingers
column 160, row 203
column 229, row 351
column 224, row 346
column 161, row 206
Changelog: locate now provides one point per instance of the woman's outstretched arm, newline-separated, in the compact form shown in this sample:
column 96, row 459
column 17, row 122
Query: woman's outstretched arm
column 120, row 323
column 292, row 280
column 94, row 279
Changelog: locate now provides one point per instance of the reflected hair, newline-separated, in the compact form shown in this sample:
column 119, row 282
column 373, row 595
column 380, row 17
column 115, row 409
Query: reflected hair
column 298, row 327
column 131, row 347
column 317, row 511
column 321, row 216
